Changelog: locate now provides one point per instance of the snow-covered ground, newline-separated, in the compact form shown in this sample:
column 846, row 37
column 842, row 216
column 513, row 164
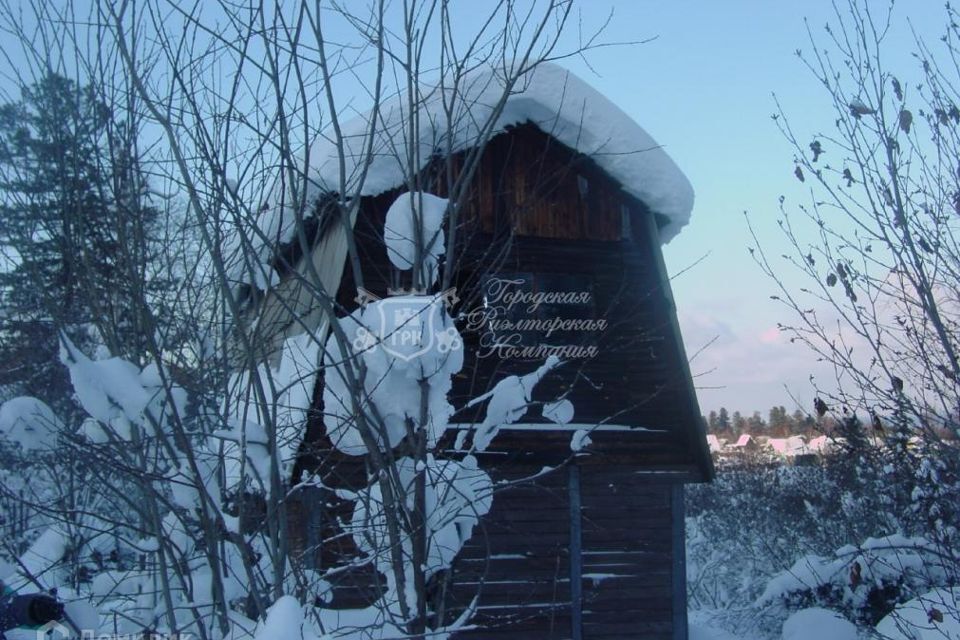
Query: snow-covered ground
column 702, row 629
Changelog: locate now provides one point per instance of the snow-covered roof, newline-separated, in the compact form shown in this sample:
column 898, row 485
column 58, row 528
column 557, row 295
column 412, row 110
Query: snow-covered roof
column 744, row 440
column 792, row 446
column 821, row 444
column 713, row 443
column 550, row 97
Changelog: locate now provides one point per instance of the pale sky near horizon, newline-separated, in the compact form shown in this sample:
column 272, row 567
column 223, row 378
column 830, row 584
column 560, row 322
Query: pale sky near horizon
column 704, row 90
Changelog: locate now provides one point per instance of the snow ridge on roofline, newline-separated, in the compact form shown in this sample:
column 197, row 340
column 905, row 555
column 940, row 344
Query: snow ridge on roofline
column 550, row 97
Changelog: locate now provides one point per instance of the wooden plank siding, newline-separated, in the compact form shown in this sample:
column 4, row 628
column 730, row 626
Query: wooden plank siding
column 519, row 560
column 537, row 208
column 628, row 555
column 638, row 378
column 626, row 567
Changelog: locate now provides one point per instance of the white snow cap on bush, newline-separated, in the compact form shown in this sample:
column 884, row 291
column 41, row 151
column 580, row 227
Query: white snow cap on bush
column 819, row 624
column 250, row 472
column 549, row 96
column 916, row 619
column 580, row 440
column 560, row 411
column 457, row 495
column 401, row 341
column 289, row 393
column 408, row 213
column 509, row 401
column 884, row 558
column 46, row 551
column 117, row 394
column 284, row 622
column 30, row 423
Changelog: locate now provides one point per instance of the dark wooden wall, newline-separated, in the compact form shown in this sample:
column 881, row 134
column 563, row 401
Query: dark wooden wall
column 547, row 569
column 586, row 551
column 530, row 213
column 538, row 208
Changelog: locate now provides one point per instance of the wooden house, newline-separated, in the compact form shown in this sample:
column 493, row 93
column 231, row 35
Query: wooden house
column 746, row 442
column 594, row 548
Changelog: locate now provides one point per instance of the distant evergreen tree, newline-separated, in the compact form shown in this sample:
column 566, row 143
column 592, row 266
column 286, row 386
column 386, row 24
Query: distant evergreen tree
column 779, row 421
column 755, row 423
column 74, row 226
column 738, row 424
column 803, row 423
column 723, row 420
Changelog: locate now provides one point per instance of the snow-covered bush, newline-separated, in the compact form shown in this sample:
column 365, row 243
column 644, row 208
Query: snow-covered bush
column 48, row 508
column 753, row 521
column 29, row 431
column 457, row 494
column 934, row 615
column 757, row 534
column 865, row 583
column 172, row 542
column 818, row 623
column 191, row 431
column 28, row 423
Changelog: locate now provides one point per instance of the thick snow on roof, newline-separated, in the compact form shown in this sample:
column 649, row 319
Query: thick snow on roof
column 550, row 97
column 713, row 443
column 792, row 446
column 744, row 440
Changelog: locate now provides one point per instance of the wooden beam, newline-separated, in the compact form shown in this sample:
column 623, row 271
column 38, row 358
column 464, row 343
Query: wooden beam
column 680, row 631
column 576, row 555
column 696, row 433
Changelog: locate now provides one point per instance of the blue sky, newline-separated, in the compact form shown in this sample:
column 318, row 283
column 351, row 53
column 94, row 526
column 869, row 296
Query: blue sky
column 704, row 89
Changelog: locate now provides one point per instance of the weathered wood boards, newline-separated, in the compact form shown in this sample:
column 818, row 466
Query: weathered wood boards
column 594, row 548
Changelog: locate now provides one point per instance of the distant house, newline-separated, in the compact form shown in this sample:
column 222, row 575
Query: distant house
column 746, row 442
column 822, row 445
column 789, row 447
